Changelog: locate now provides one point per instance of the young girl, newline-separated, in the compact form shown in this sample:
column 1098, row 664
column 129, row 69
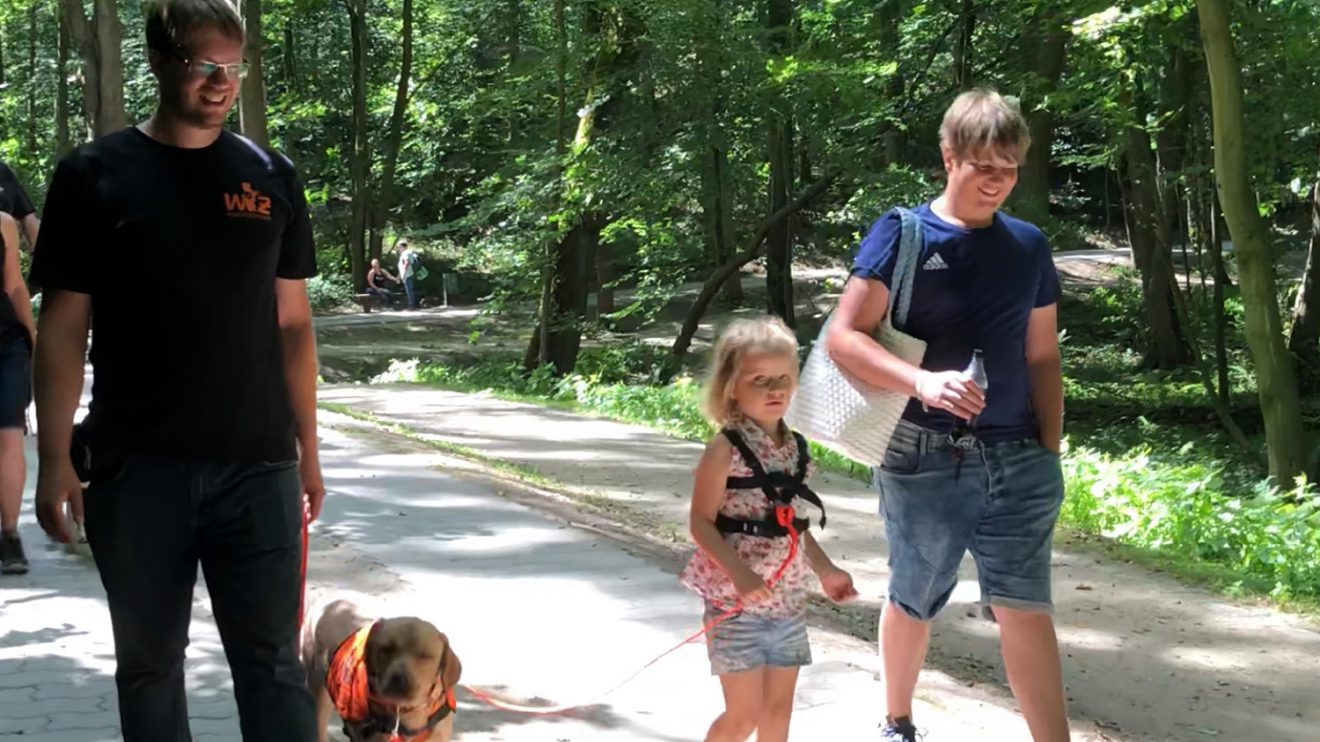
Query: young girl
column 743, row 544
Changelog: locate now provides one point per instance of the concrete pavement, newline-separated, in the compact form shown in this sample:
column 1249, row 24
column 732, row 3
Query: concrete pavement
column 1145, row 657
column 536, row 608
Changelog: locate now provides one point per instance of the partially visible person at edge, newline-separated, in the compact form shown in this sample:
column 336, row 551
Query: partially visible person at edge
column 14, row 201
column 202, row 424
column 375, row 287
column 18, row 334
column 408, row 271
column 757, row 642
column 968, row 468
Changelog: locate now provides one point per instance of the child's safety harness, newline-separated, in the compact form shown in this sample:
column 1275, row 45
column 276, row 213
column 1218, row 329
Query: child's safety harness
column 779, row 487
column 349, row 687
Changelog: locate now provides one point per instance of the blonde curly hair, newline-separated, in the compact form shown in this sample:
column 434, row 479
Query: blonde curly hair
column 761, row 336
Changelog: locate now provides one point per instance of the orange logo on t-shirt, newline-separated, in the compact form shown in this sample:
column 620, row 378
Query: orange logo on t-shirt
column 250, row 204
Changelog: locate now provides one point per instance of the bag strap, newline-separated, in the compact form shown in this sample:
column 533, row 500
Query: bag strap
column 910, row 241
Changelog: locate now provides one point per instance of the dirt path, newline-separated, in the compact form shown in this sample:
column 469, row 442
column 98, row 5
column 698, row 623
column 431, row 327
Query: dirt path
column 1146, row 658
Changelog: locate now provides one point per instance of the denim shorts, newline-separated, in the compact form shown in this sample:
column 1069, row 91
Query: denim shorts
column 749, row 642
column 15, row 382
column 999, row 500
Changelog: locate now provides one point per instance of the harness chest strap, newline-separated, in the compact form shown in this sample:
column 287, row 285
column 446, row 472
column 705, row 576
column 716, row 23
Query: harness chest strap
column 350, row 689
column 779, row 487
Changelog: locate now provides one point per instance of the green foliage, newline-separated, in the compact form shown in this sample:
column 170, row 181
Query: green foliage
column 1191, row 509
column 327, row 293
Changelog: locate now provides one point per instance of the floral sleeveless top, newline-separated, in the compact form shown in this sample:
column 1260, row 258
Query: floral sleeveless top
column 704, row 575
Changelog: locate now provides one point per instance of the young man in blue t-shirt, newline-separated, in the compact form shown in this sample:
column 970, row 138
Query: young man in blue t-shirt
column 968, row 468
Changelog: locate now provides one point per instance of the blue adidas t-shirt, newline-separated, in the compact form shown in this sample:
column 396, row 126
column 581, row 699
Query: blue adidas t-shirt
column 974, row 288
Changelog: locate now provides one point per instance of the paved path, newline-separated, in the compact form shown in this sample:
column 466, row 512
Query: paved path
column 1146, row 658
column 534, row 606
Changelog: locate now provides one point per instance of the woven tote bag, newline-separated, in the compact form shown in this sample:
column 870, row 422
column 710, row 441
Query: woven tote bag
column 840, row 411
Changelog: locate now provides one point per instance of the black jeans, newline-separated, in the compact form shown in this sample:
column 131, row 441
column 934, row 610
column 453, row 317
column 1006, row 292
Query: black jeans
column 150, row 521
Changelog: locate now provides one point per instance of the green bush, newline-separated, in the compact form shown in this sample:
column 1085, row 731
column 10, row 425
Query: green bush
column 327, row 293
column 1192, row 510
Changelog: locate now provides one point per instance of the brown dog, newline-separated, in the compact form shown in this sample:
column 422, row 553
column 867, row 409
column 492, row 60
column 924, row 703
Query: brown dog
column 389, row 678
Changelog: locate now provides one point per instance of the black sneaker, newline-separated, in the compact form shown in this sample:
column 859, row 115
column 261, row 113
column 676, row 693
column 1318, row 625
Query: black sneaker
column 12, row 559
column 899, row 730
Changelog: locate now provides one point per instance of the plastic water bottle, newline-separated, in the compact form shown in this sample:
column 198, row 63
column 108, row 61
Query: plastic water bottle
column 976, row 370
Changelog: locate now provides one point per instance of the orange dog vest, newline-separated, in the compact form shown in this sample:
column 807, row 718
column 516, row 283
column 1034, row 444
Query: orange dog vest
column 347, row 683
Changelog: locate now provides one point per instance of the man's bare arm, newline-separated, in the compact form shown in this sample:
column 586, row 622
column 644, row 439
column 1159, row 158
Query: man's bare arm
column 1045, row 368
column 15, row 287
column 31, row 228
column 300, row 368
column 58, row 368
column 851, row 345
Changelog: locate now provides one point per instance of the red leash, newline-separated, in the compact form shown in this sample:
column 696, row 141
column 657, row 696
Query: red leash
column 784, row 514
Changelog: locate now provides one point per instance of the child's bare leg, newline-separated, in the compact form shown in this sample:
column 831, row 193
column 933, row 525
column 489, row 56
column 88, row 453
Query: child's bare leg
column 776, row 704
column 742, row 706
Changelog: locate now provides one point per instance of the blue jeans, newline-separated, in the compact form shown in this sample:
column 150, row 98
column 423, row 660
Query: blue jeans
column 998, row 500
column 150, row 522
column 749, row 642
column 411, row 290
column 385, row 297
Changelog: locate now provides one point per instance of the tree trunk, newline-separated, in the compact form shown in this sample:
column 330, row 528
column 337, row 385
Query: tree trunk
column 252, row 97
column 779, row 244
column 1275, row 379
column 604, row 279
column 1304, row 340
column 1171, row 146
column 394, row 139
column 571, row 286
column 360, row 161
column 110, row 115
column 731, row 266
column 1166, row 347
column 713, row 157
column 962, row 48
column 80, row 37
column 32, row 80
column 1221, row 316
column 290, row 57
column 575, row 256
column 538, row 348
column 63, row 141
column 886, row 20
column 1046, row 34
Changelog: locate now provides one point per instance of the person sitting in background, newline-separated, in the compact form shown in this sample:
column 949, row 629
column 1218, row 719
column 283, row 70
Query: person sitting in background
column 375, row 287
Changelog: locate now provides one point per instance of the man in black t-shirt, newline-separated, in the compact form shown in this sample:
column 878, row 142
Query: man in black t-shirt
column 14, row 201
column 200, row 442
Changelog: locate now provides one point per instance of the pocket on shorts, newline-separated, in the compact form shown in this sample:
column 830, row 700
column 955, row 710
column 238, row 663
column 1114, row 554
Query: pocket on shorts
column 901, row 461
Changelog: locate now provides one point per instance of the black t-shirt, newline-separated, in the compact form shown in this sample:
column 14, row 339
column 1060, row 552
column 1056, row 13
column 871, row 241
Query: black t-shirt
column 179, row 250
column 14, row 200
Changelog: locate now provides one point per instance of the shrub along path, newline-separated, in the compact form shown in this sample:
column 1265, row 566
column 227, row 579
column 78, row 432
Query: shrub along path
column 1145, row 657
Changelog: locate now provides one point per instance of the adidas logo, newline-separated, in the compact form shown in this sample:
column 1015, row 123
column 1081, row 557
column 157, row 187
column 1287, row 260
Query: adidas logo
column 935, row 263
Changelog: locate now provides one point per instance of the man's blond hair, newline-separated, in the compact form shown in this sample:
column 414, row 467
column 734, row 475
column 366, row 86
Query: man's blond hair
column 983, row 122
